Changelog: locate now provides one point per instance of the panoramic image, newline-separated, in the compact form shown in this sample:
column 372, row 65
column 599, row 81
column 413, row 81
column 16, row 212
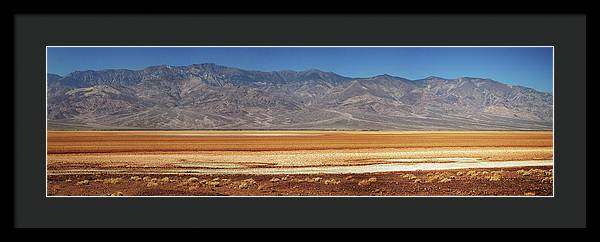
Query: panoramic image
column 299, row 121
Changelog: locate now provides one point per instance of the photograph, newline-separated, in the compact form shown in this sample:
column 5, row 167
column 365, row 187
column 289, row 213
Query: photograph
column 300, row 121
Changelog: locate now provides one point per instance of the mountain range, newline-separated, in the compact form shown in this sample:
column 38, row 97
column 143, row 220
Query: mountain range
column 211, row 96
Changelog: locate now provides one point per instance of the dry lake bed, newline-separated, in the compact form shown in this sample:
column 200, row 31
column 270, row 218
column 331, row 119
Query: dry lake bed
column 300, row 163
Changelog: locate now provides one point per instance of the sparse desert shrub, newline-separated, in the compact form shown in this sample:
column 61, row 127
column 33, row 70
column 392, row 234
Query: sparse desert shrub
column 247, row 183
column 495, row 178
column 439, row 177
column 112, row 180
column 274, row 179
column 431, row 178
column 84, row 182
column 331, row 182
column 496, row 175
column 472, row 173
column 308, row 179
column 367, row 182
column 535, row 172
column 135, row 178
column 151, row 184
column 165, row 179
column 409, row 176
column 192, row 179
column 531, row 172
column 147, row 178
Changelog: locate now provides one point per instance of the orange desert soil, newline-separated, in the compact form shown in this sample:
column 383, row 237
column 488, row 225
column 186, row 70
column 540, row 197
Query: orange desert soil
column 81, row 162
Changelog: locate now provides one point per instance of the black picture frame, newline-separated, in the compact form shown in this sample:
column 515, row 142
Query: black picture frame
column 566, row 33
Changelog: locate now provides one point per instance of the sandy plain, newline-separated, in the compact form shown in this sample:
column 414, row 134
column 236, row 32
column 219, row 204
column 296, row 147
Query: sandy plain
column 311, row 163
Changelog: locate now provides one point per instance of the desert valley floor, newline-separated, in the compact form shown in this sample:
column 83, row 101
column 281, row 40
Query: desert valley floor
column 300, row 163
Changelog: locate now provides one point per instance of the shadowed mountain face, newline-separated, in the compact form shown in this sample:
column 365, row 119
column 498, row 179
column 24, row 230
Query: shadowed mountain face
column 209, row 96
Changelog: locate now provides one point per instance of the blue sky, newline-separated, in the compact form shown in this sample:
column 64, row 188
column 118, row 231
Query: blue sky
column 525, row 66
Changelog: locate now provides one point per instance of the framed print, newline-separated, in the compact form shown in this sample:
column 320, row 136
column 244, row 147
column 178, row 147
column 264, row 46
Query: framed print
column 299, row 120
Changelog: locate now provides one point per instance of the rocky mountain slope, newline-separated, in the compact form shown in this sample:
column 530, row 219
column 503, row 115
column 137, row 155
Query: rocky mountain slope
column 210, row 96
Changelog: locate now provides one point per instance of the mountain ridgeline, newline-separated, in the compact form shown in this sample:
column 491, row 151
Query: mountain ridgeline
column 210, row 96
